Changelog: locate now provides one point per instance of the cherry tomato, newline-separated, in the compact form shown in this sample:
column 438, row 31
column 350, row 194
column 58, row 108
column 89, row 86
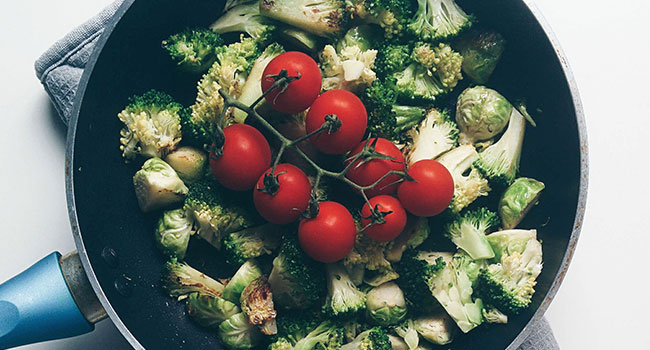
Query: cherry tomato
column 291, row 198
column 394, row 223
column 300, row 93
column 371, row 171
column 246, row 154
column 432, row 190
column 330, row 235
column 351, row 112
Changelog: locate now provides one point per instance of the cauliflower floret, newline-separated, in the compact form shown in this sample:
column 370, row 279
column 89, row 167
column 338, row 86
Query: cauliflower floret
column 351, row 69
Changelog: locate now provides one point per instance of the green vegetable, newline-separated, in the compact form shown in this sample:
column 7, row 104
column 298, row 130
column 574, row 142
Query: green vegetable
column 481, row 113
column 297, row 281
column 437, row 328
column 416, row 270
column 414, row 234
column 391, row 58
column 180, row 279
column 492, row 315
column 157, row 185
column 396, row 343
column 435, row 135
column 468, row 232
column 439, row 20
column 193, row 50
column 257, row 304
column 321, row 17
column 481, row 51
column 507, row 242
column 189, row 163
column 246, row 274
column 300, row 39
column 350, row 69
column 518, row 199
column 172, row 233
column 386, row 304
column 296, row 324
column 365, row 37
column 509, row 284
column 245, row 18
column 208, row 310
column 327, row 335
column 152, row 125
column 372, row 339
column 250, row 243
column 442, row 61
column 236, row 333
column 469, row 184
column 343, row 297
column 214, row 213
column 391, row 15
column 407, row 331
column 368, row 254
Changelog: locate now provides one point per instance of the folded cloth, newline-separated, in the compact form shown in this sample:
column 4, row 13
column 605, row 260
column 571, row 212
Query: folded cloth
column 60, row 69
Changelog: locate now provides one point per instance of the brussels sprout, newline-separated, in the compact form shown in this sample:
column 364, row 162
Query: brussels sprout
column 481, row 113
column 189, row 163
column 236, row 333
column 364, row 36
column 208, row 310
column 257, row 303
column 173, row 233
column 246, row 274
column 385, row 305
column 157, row 185
column 517, row 200
column 438, row 329
column 481, row 52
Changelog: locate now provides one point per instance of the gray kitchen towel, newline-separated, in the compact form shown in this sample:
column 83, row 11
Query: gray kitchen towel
column 59, row 70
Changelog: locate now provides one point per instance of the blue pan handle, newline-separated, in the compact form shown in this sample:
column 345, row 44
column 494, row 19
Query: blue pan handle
column 39, row 304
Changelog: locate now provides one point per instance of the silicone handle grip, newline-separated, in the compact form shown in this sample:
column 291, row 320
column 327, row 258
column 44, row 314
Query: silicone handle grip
column 37, row 305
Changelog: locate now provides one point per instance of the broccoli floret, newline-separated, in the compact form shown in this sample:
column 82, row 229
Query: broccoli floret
column 373, row 339
column 386, row 118
column 257, row 304
column 439, row 20
column 350, row 69
column 281, row 344
column 416, row 269
column 297, row 281
column 481, row 52
column 509, row 284
column 180, row 279
column 157, row 185
column 414, row 234
column 442, row 61
column 369, row 254
column 492, row 315
column 214, row 215
column 468, row 232
column 500, row 162
column 250, row 243
column 327, row 335
column 245, row 18
column 193, row 50
column 469, row 184
column 252, row 89
column 392, row 58
column 435, row 135
column 321, row 17
column 391, row 15
column 296, row 324
column 343, row 297
column 152, row 126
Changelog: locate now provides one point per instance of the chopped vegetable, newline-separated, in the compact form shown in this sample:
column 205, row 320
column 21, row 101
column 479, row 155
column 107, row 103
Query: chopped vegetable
column 173, row 233
column 518, row 199
column 157, row 185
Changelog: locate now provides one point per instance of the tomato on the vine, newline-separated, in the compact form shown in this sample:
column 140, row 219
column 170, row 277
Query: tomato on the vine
column 291, row 198
column 300, row 93
column 330, row 235
column 245, row 155
column 431, row 191
column 371, row 171
column 351, row 113
column 393, row 214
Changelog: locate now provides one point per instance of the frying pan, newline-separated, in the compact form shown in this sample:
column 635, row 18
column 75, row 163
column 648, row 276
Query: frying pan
column 55, row 298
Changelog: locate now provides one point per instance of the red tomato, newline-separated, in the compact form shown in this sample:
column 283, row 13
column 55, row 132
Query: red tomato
column 349, row 109
column 291, row 199
column 330, row 235
column 300, row 93
column 432, row 190
column 371, row 171
column 246, row 154
column 395, row 221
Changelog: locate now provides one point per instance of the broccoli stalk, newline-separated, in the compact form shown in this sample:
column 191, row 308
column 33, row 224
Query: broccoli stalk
column 469, row 184
column 321, row 17
column 406, row 330
column 343, row 297
column 152, row 125
column 193, row 50
column 435, row 135
column 468, row 232
column 245, row 18
column 437, row 20
column 180, row 279
column 250, row 243
column 372, row 339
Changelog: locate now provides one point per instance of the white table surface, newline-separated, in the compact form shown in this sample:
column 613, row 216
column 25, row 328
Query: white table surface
column 603, row 303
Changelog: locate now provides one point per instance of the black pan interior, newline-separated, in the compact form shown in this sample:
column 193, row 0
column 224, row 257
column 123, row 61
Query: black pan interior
column 133, row 62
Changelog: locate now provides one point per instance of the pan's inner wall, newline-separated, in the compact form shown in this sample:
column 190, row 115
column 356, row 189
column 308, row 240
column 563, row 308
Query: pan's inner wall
column 132, row 62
